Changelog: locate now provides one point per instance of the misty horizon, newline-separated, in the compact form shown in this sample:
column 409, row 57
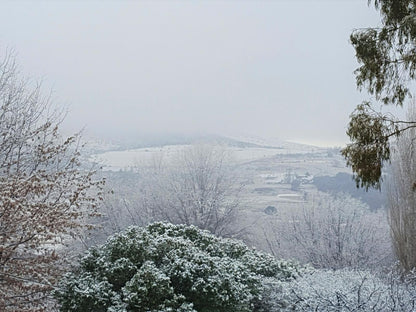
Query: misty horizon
column 124, row 69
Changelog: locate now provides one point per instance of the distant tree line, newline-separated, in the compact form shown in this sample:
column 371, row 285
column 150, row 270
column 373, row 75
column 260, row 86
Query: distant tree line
column 344, row 182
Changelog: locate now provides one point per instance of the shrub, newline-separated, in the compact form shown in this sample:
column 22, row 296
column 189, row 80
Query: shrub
column 333, row 232
column 166, row 267
column 344, row 290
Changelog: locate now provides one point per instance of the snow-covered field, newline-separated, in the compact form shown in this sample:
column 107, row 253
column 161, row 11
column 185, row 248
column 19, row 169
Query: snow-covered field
column 266, row 171
column 126, row 159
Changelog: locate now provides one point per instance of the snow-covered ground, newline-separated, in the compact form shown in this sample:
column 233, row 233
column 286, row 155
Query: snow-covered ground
column 274, row 142
column 126, row 159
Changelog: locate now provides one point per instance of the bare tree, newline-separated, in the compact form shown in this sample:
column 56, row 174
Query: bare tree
column 44, row 192
column 346, row 290
column 194, row 187
column 401, row 191
column 333, row 232
column 121, row 207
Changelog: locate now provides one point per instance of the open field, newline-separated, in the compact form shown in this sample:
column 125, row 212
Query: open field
column 280, row 177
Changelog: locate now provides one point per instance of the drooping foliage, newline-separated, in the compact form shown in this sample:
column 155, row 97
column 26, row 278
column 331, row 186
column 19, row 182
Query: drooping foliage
column 166, row 267
column 387, row 58
column 387, row 53
column 370, row 147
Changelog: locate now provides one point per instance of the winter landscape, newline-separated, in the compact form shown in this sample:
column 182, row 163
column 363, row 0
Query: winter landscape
column 207, row 156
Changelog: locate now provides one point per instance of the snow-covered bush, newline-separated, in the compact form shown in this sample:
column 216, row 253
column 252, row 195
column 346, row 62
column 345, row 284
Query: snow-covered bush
column 165, row 267
column 332, row 232
column 344, row 290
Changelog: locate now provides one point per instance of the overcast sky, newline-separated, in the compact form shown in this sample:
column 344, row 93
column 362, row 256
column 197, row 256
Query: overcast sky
column 279, row 69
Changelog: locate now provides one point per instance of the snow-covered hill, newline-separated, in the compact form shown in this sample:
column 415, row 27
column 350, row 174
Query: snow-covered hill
column 241, row 149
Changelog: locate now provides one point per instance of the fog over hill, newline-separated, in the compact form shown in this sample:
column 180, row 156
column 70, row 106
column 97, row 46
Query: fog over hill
column 128, row 153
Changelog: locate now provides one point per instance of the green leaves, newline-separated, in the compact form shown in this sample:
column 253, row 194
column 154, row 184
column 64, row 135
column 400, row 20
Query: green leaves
column 166, row 267
column 387, row 58
column 387, row 54
column 369, row 132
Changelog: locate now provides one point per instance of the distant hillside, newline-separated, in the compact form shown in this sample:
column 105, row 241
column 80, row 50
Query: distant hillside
column 135, row 142
column 275, row 143
column 129, row 152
